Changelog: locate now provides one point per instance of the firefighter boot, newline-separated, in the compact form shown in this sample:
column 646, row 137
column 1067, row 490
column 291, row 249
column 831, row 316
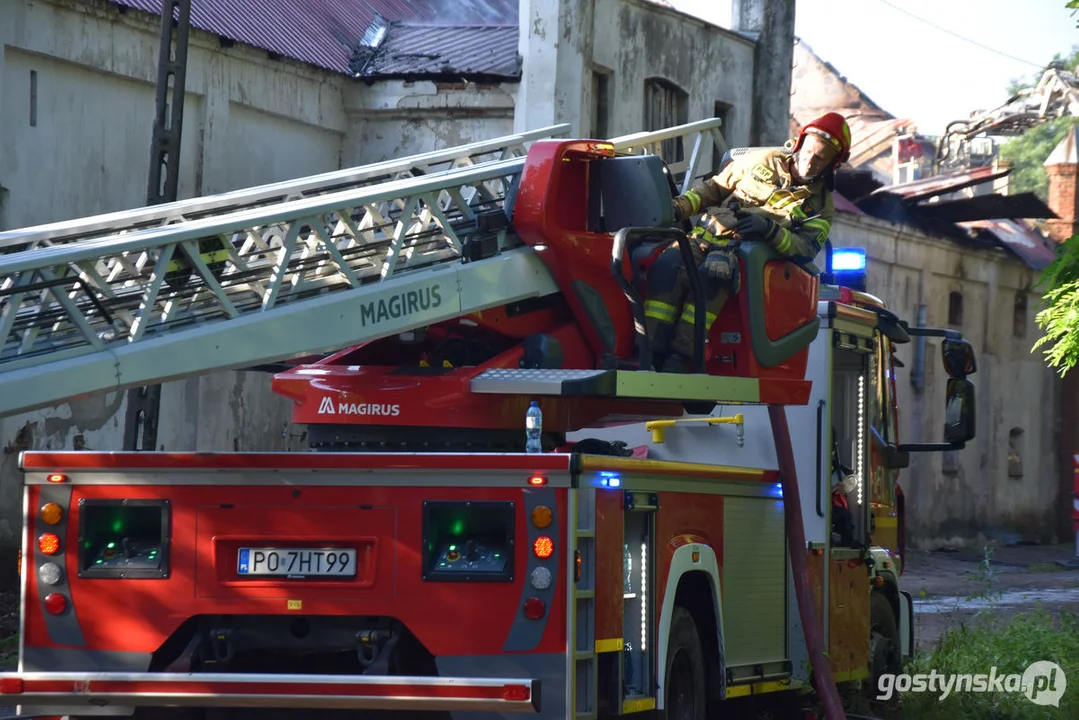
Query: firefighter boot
column 667, row 285
column 719, row 277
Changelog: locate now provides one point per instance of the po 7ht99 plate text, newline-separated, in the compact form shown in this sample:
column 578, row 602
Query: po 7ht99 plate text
column 296, row 562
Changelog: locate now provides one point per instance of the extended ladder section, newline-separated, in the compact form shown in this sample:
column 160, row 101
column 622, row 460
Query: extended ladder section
column 118, row 223
column 223, row 283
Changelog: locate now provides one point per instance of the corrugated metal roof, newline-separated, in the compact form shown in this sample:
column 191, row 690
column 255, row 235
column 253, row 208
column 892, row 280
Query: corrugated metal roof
column 410, row 50
column 1031, row 246
column 327, row 33
column 942, row 184
column 987, row 207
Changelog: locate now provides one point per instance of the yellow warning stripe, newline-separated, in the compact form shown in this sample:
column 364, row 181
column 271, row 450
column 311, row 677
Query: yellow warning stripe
column 638, row 705
column 609, row 645
column 760, row 688
column 668, row 467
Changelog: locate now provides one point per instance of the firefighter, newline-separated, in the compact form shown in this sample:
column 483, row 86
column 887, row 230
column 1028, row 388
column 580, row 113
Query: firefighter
column 782, row 197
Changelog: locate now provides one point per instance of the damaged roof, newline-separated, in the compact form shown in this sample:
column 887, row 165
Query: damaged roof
column 943, row 184
column 983, row 221
column 330, row 34
column 482, row 51
column 1025, row 241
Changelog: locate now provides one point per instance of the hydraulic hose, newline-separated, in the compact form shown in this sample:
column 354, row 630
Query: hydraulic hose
column 812, row 621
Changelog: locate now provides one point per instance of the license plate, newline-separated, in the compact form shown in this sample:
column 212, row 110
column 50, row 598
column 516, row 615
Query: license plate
column 297, row 562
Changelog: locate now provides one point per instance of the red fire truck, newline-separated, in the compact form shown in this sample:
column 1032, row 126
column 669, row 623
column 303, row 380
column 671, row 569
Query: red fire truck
column 673, row 547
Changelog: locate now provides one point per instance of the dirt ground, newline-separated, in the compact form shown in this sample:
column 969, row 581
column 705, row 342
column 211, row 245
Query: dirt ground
column 951, row 588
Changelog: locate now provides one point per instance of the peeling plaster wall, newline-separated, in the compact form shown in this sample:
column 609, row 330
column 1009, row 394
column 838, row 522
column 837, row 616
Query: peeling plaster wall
column 247, row 120
column 630, row 41
column 645, row 41
column 395, row 118
column 972, row 498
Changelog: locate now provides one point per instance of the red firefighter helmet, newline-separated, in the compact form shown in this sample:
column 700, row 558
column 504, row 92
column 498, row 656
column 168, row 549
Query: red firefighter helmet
column 834, row 129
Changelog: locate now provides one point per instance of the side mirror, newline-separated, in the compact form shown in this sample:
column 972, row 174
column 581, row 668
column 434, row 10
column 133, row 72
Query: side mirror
column 895, row 458
column 958, row 359
column 959, row 412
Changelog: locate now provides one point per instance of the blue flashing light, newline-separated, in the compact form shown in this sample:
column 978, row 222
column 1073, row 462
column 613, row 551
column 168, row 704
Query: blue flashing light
column 777, row 490
column 846, row 260
column 610, row 480
column 847, row 268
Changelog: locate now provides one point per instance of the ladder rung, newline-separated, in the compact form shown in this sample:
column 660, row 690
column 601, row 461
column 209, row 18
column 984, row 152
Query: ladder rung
column 582, row 656
column 586, row 534
column 584, row 594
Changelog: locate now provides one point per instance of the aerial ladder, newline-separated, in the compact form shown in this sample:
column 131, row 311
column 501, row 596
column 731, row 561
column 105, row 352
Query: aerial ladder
column 275, row 272
column 1055, row 95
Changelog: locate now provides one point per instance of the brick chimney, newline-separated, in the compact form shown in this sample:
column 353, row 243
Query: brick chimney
column 1061, row 165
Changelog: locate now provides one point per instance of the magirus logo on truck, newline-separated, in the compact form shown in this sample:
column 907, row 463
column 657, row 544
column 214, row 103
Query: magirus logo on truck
column 400, row 305
column 328, row 407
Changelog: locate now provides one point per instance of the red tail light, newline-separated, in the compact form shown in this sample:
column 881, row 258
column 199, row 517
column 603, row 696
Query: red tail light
column 534, row 608
column 516, row 693
column 55, row 603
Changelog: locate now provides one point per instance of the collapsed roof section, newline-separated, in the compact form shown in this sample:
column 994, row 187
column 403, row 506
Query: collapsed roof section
column 447, row 52
column 342, row 35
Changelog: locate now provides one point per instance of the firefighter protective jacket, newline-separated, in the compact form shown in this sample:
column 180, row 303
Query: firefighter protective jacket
column 761, row 182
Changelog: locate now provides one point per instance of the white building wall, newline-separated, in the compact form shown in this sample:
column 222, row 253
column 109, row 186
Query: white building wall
column 961, row 497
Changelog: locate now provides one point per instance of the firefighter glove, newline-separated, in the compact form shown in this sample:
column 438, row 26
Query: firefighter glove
column 716, row 267
column 755, row 227
column 679, row 215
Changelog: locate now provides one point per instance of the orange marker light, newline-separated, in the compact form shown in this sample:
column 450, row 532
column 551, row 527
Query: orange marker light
column 51, row 513
column 57, row 478
column 537, row 480
column 48, row 543
column 541, row 516
column 543, row 547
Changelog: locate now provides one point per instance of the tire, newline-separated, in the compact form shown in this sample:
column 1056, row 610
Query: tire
column 884, row 646
column 684, row 689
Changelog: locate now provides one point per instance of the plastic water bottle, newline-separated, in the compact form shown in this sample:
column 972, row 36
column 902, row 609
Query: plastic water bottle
column 533, row 428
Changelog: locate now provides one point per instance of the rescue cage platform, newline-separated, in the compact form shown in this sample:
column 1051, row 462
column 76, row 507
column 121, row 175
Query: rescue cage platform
column 642, row 385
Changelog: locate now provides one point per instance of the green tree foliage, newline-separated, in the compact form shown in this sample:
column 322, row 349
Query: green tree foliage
column 1058, row 316
column 1059, row 313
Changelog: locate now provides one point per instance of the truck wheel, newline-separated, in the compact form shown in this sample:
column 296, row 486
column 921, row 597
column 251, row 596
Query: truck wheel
column 884, row 647
column 683, row 685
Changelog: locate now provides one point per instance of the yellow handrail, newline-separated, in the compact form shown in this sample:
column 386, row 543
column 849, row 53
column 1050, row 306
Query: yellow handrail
column 658, row 428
